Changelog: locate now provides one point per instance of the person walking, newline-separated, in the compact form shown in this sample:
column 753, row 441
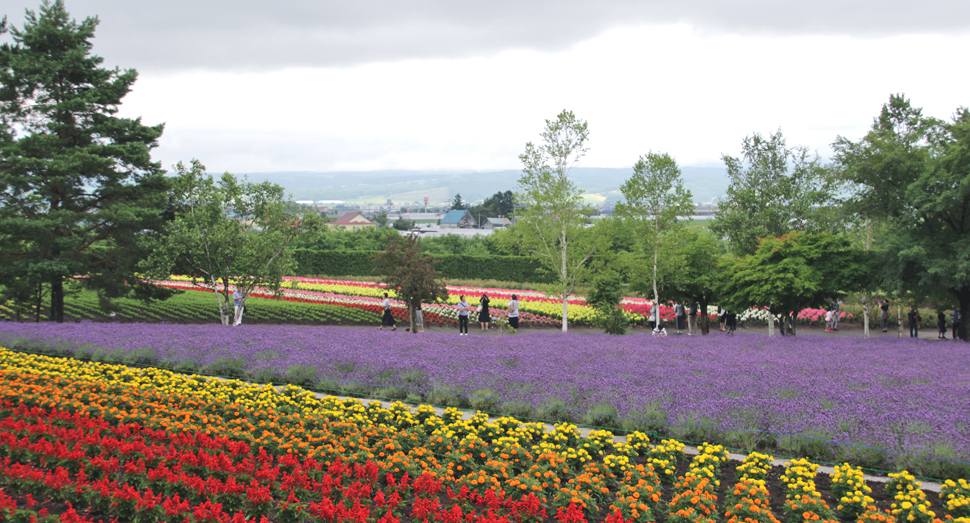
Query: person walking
column 955, row 322
column 680, row 316
column 692, row 319
column 654, row 316
column 835, row 314
column 514, row 312
column 828, row 320
column 731, row 321
column 463, row 307
column 722, row 318
column 940, row 325
column 914, row 318
column 238, row 308
column 387, row 320
column 884, row 316
column 484, row 315
column 418, row 319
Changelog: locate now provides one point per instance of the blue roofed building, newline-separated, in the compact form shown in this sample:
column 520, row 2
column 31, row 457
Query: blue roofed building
column 458, row 219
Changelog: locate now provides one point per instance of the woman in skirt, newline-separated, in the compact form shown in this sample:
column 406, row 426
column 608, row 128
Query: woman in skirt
column 387, row 320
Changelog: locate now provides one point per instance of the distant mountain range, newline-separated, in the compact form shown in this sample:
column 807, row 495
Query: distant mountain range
column 600, row 184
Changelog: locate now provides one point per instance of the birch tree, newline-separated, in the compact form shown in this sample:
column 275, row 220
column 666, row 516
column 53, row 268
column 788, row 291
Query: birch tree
column 229, row 234
column 654, row 200
column 552, row 218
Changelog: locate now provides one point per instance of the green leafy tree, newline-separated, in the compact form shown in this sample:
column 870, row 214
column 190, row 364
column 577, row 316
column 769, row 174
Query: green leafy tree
column 457, row 204
column 78, row 189
column 409, row 274
column 794, row 272
column 654, row 199
column 551, row 220
column 774, row 189
column 401, row 224
column 381, row 218
column 698, row 270
column 229, row 232
column 914, row 172
column 496, row 205
column 605, row 297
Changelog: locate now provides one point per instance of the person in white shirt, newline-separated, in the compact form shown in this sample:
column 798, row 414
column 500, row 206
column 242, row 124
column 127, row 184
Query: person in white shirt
column 514, row 312
column 387, row 320
column 463, row 307
column 237, row 300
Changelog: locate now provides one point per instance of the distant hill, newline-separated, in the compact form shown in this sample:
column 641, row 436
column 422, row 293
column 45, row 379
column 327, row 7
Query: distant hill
column 705, row 183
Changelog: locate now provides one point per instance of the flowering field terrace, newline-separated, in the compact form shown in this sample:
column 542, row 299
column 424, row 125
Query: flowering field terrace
column 908, row 398
column 536, row 309
column 86, row 442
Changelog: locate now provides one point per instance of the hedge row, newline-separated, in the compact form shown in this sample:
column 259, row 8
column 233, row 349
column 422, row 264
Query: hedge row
column 452, row 266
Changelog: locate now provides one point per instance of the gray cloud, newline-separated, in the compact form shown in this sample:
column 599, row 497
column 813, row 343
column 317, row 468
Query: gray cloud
column 259, row 35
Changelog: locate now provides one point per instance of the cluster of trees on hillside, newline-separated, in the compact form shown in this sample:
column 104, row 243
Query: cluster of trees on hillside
column 82, row 201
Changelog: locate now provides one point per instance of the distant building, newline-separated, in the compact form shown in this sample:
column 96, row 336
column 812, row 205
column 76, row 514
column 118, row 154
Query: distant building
column 496, row 223
column 458, row 220
column 351, row 222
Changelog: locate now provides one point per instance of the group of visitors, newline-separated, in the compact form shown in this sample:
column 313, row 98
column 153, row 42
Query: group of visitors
column 685, row 318
column 484, row 314
column 913, row 319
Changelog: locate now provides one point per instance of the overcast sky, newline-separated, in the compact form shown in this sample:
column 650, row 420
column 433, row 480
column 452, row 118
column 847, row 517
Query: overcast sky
column 250, row 86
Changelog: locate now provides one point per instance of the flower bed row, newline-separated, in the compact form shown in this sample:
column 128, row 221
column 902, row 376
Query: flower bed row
column 87, row 440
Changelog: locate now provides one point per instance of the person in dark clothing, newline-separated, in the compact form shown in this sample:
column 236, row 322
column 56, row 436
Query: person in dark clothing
column 940, row 325
column 387, row 320
column 484, row 315
column 914, row 318
column 884, row 316
column 732, row 322
column 955, row 321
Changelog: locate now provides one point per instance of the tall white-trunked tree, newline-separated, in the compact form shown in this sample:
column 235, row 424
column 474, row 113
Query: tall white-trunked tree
column 551, row 217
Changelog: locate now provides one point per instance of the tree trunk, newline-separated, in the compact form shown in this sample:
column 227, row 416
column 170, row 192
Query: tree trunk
column 565, row 312
column 656, row 295
column 899, row 318
column 794, row 321
column 705, row 319
column 565, row 296
column 57, row 299
column 865, row 317
column 964, row 297
column 771, row 324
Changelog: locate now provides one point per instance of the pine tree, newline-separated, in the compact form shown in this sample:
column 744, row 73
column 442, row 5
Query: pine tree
column 78, row 188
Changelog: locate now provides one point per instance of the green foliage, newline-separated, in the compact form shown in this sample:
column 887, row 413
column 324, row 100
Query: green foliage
column 401, row 224
column 496, row 205
column 229, row 232
column 914, row 172
column 381, row 218
column 774, row 190
column 607, row 290
column 457, row 204
column 409, row 274
column 698, row 270
column 552, row 219
column 794, row 272
column 654, row 198
column 78, row 189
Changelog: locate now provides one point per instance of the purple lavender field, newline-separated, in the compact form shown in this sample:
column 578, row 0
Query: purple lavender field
column 908, row 397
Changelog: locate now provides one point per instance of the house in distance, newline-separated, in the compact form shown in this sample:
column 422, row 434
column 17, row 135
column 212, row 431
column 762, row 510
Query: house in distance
column 351, row 221
column 458, row 219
